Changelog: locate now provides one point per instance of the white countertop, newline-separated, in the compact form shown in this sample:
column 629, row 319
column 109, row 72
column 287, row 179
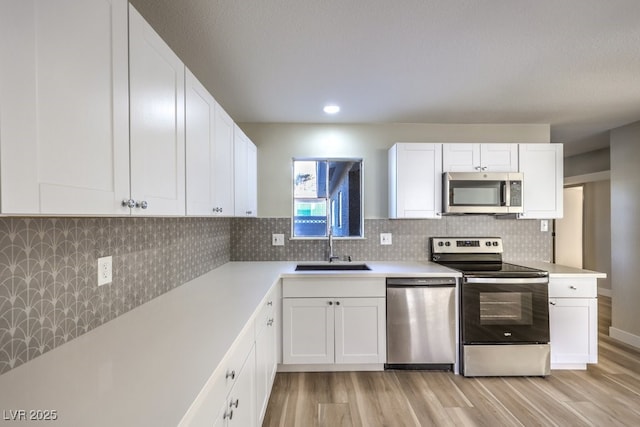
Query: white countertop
column 146, row 367
column 557, row 270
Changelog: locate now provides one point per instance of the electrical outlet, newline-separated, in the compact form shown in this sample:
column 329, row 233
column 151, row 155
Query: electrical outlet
column 386, row 238
column 277, row 239
column 544, row 225
column 104, row 270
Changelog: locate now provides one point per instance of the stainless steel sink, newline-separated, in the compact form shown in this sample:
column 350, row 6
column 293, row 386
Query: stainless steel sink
column 332, row 267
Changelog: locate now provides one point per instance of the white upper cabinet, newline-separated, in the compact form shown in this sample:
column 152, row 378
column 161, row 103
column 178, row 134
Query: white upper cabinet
column 64, row 107
column 480, row 157
column 543, row 180
column 245, row 175
column 415, row 180
column 200, row 110
column 223, row 164
column 157, row 99
column 209, row 153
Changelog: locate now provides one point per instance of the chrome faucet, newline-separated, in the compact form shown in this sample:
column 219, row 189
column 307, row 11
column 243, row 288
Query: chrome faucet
column 331, row 256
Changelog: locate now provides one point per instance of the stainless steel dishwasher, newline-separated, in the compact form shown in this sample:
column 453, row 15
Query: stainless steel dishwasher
column 421, row 323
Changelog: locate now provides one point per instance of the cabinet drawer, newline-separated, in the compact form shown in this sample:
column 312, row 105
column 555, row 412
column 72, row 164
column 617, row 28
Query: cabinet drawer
column 573, row 288
column 327, row 287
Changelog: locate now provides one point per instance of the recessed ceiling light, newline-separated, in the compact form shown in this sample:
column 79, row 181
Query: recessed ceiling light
column 331, row 109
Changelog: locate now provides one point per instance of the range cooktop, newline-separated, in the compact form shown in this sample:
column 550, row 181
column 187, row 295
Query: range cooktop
column 478, row 257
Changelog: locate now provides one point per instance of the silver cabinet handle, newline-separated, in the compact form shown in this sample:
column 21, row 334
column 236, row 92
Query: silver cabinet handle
column 228, row 415
column 552, row 303
column 129, row 203
column 573, row 287
column 330, row 302
column 143, row 204
column 270, row 322
column 249, row 212
column 231, row 374
column 337, row 302
column 270, row 303
column 219, row 210
column 234, row 404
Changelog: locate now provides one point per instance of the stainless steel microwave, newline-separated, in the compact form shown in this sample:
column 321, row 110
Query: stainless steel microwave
column 482, row 192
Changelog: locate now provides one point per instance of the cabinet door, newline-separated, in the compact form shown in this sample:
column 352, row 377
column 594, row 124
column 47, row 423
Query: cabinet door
column 242, row 398
column 360, row 330
column 573, row 327
column 415, row 180
column 252, row 179
column 499, row 157
column 307, row 331
column 266, row 363
column 200, row 112
column 245, row 174
column 461, row 157
column 64, row 104
column 223, row 164
column 543, row 175
column 156, row 79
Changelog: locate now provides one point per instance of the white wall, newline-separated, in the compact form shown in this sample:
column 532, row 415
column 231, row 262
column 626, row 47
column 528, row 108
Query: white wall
column 568, row 242
column 625, row 233
column 279, row 143
column 597, row 231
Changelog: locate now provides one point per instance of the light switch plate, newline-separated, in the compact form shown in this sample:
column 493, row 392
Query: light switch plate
column 386, row 238
column 104, row 270
column 544, row 225
column 277, row 239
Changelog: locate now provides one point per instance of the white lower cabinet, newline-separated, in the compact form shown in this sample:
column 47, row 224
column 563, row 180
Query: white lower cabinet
column 238, row 409
column 345, row 329
column 267, row 325
column 237, row 393
column 573, row 322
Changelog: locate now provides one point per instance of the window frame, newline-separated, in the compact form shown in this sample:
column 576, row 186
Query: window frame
column 329, row 207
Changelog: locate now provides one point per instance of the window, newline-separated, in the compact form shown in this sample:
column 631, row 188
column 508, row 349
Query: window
column 327, row 198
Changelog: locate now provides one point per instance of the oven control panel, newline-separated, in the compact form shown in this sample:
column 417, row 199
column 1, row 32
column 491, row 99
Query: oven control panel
column 462, row 245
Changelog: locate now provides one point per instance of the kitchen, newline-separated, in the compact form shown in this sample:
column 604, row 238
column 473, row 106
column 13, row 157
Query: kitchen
column 152, row 255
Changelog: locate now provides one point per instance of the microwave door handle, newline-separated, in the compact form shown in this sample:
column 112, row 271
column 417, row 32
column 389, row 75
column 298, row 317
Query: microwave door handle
column 505, row 193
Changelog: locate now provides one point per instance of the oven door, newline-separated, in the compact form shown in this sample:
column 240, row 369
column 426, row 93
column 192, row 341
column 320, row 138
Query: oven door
column 505, row 310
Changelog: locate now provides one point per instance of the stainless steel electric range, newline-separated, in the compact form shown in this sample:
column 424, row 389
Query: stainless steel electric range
column 504, row 308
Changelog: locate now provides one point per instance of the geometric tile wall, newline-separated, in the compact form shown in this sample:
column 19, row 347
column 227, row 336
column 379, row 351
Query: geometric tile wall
column 48, row 273
column 522, row 239
column 48, row 266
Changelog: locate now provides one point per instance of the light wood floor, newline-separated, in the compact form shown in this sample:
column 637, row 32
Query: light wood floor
column 607, row 394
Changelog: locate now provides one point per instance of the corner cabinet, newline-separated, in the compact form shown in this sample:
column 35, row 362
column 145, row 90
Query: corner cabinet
column 245, row 174
column 209, row 152
column 465, row 157
column 573, row 322
column 415, row 180
column 331, row 322
column 157, row 99
column 543, row 173
column 64, row 105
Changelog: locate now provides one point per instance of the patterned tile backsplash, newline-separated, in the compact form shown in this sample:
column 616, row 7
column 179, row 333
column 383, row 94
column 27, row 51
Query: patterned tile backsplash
column 522, row 239
column 48, row 273
column 48, row 266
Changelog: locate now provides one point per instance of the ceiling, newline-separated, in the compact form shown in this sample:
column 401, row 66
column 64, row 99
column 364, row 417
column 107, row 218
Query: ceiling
column 574, row 64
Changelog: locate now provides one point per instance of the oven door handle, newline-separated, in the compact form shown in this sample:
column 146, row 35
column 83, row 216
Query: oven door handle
column 506, row 280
